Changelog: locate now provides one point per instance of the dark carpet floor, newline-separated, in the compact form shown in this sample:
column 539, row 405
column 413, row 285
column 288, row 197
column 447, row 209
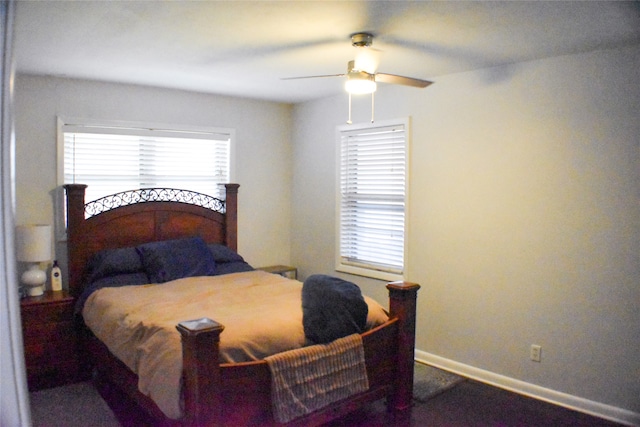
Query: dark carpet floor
column 441, row 399
column 473, row 404
column 74, row 405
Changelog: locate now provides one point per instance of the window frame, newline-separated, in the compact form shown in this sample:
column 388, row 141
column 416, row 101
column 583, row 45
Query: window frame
column 363, row 269
column 160, row 128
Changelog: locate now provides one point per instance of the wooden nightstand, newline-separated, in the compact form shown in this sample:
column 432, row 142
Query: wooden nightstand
column 283, row 270
column 50, row 339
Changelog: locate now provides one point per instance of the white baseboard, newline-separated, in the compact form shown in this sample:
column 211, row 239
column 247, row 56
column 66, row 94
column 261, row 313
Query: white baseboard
column 580, row 404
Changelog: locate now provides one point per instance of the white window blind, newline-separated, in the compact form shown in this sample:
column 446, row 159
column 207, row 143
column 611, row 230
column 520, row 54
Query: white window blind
column 373, row 169
column 111, row 159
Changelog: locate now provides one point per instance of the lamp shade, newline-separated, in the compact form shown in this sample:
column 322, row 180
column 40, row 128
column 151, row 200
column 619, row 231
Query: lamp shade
column 33, row 243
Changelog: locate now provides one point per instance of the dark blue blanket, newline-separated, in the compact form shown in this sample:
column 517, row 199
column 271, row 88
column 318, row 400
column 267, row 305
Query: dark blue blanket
column 332, row 308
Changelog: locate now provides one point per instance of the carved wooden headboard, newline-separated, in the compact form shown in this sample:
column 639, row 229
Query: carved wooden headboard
column 131, row 218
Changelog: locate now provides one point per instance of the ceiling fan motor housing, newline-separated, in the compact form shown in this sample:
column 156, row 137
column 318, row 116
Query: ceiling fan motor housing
column 361, row 39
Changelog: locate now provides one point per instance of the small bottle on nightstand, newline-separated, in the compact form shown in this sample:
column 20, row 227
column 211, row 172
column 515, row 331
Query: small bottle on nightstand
column 56, row 277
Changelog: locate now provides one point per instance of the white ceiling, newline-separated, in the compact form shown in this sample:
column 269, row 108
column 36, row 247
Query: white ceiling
column 244, row 48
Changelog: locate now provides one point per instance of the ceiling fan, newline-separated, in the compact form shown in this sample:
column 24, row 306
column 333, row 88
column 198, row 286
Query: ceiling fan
column 362, row 74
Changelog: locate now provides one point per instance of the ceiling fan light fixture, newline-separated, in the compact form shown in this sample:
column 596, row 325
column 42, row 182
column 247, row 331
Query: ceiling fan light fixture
column 359, row 83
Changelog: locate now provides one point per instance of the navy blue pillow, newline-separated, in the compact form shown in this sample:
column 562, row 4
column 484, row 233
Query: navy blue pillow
column 174, row 259
column 232, row 267
column 222, row 253
column 111, row 262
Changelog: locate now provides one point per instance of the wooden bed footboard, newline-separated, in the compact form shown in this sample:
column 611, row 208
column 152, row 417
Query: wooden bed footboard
column 220, row 395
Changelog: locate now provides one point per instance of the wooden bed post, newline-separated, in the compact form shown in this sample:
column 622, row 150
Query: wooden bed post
column 231, row 226
column 201, row 371
column 75, row 217
column 402, row 303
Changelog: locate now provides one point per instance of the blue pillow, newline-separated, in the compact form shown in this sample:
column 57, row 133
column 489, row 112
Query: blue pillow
column 232, row 267
column 222, row 253
column 174, row 259
column 111, row 262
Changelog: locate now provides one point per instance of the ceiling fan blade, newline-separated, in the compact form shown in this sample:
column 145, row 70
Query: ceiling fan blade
column 401, row 80
column 312, row 77
column 367, row 59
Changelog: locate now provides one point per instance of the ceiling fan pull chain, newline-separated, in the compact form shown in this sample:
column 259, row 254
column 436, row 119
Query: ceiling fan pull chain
column 372, row 106
column 349, row 121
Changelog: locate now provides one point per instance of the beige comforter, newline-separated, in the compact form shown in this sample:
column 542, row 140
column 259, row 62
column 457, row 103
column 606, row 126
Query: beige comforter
column 261, row 312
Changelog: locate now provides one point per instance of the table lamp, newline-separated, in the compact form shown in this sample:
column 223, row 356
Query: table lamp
column 33, row 245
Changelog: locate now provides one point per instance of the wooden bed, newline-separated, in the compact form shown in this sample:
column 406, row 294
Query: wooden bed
column 232, row 394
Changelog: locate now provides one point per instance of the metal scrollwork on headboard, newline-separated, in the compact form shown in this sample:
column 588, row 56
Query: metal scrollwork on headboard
column 147, row 195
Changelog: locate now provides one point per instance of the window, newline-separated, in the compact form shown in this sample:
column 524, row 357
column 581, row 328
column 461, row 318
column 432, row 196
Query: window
column 372, row 199
column 110, row 158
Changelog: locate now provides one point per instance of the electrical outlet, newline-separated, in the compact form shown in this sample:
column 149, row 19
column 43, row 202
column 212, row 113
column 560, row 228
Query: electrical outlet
column 535, row 353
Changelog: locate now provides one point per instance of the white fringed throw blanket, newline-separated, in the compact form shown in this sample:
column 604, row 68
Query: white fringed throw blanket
column 309, row 378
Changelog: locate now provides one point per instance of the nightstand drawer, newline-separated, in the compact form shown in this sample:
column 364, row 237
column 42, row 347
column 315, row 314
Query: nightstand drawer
column 33, row 316
column 52, row 375
column 47, row 342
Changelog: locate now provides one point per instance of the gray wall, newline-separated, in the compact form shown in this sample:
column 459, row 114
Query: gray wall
column 524, row 216
column 262, row 147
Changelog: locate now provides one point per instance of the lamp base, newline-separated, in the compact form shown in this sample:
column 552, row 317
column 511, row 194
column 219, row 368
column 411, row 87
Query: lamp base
column 35, row 291
column 33, row 280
